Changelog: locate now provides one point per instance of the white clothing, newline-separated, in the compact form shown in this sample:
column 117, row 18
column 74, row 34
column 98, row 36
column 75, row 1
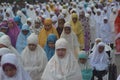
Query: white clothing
column 34, row 62
column 99, row 61
column 65, row 68
column 20, row 74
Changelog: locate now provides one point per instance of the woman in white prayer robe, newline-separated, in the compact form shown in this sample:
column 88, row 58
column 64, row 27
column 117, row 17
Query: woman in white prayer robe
column 5, row 42
column 71, row 37
column 105, row 31
column 92, row 25
column 98, row 19
column 3, row 51
column 11, row 69
column 99, row 60
column 31, row 12
column 9, row 14
column 112, row 19
column 22, row 16
column 63, row 65
column 34, row 58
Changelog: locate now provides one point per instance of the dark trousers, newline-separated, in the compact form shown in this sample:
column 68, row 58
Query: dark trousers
column 99, row 74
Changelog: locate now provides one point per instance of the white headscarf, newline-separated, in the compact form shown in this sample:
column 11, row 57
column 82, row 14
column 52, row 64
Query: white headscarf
column 34, row 62
column 31, row 13
column 72, row 40
column 20, row 74
column 5, row 40
column 105, row 32
column 4, row 51
column 10, row 12
column 66, row 68
column 23, row 17
column 99, row 61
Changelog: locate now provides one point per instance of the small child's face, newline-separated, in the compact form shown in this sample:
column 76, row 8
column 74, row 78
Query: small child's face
column 101, row 49
column 61, row 52
column 10, row 71
column 4, row 30
column 29, row 23
column 32, row 47
column 37, row 25
column 83, row 61
column 51, row 44
column 25, row 32
column 67, row 30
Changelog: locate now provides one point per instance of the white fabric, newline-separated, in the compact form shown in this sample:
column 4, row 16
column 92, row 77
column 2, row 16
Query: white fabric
column 31, row 13
column 37, row 30
column 72, row 40
column 5, row 40
column 112, row 25
column 10, row 12
column 34, row 62
column 66, row 68
column 23, row 17
column 12, row 59
column 98, row 20
column 99, row 61
column 118, row 77
column 4, row 51
column 92, row 22
column 105, row 33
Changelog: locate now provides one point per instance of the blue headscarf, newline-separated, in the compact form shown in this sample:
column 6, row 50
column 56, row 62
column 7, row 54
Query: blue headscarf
column 18, row 19
column 50, row 51
column 22, row 39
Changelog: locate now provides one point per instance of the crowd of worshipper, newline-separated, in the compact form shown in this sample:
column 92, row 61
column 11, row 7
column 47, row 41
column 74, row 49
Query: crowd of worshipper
column 59, row 41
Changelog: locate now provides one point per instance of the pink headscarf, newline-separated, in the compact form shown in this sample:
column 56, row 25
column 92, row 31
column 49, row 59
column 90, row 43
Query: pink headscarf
column 13, row 32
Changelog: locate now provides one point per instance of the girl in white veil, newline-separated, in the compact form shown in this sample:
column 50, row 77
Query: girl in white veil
column 34, row 58
column 63, row 65
column 11, row 69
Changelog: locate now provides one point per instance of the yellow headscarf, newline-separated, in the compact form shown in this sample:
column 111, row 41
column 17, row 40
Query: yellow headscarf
column 48, row 21
column 44, row 34
column 78, row 29
column 52, row 7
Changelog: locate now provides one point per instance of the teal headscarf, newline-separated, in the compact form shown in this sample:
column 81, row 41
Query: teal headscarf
column 86, row 69
column 82, row 55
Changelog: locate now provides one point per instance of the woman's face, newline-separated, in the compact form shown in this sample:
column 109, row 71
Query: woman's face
column 51, row 44
column 25, row 32
column 105, row 20
column 61, row 52
column 61, row 23
column 100, row 49
column 32, row 47
column 29, row 23
column 74, row 20
column 4, row 30
column 82, row 60
column 10, row 71
column 67, row 30
column 10, row 25
column 37, row 25
column 7, row 14
column 47, row 27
